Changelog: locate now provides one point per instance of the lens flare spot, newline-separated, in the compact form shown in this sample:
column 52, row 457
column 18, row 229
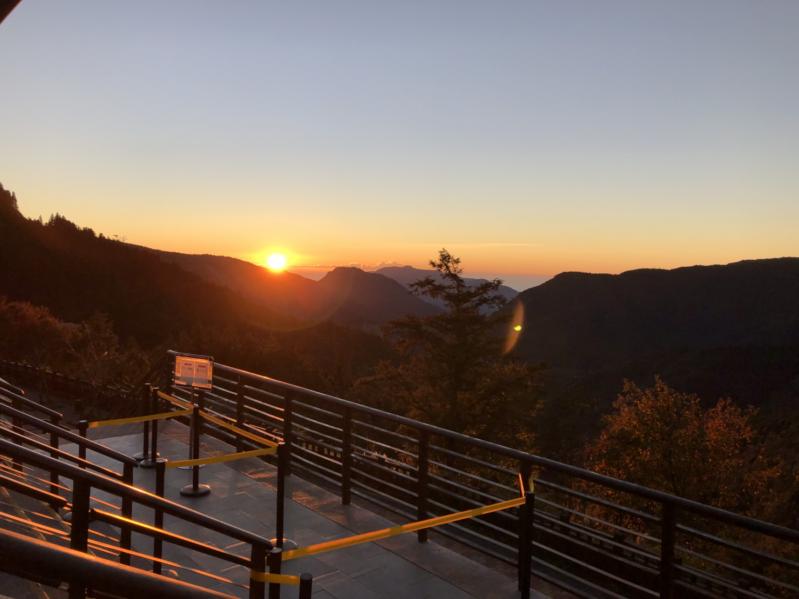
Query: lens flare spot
column 515, row 327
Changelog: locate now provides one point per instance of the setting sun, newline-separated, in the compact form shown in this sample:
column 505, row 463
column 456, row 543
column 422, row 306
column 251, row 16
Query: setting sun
column 276, row 262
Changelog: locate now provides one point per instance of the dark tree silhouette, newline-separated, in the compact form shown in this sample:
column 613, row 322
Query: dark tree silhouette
column 451, row 370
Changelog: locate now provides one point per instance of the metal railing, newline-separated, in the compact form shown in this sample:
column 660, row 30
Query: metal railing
column 84, row 481
column 23, row 556
column 594, row 535
column 28, row 449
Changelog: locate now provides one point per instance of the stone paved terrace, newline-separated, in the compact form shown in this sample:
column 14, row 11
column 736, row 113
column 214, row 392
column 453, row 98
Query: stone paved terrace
column 243, row 494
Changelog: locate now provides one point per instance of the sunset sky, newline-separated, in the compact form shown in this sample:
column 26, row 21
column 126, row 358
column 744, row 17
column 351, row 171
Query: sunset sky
column 527, row 137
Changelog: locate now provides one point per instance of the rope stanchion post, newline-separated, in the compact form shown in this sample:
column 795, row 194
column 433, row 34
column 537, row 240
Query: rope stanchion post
column 346, row 457
column 153, row 458
column 306, row 585
column 195, row 489
column 144, row 454
column 526, row 523
column 280, row 508
column 158, row 518
column 422, row 481
column 154, row 431
column 273, row 561
column 257, row 564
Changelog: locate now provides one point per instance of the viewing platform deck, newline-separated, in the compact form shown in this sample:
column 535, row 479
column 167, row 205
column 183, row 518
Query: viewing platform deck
column 243, row 494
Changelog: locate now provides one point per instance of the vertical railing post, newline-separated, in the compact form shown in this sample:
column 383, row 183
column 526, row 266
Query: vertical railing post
column 273, row 560
column 79, row 522
column 288, row 417
column 422, row 481
column 127, row 512
column 346, row 456
column 668, row 534
column 54, row 440
column 79, row 531
column 306, row 585
column 83, row 427
column 280, row 511
column 169, row 370
column 257, row 565
column 239, row 410
column 526, row 531
column 154, row 432
column 158, row 519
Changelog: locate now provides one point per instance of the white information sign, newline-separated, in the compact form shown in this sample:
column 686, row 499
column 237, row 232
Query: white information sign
column 194, row 372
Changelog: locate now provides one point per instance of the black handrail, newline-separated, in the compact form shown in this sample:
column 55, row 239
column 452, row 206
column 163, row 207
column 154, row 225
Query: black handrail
column 31, row 491
column 25, row 439
column 662, row 497
column 4, row 384
column 165, row 535
column 135, row 494
column 68, row 435
column 17, row 397
column 40, row 560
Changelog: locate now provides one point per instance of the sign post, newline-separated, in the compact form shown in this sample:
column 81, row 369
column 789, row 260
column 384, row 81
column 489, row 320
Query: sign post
column 196, row 372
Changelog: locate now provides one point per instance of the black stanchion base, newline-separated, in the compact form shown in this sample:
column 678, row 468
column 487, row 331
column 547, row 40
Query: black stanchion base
column 148, row 463
column 191, row 491
column 141, row 455
column 190, row 467
column 288, row 544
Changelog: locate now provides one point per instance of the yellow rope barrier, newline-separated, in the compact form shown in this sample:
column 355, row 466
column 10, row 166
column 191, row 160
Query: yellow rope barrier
column 274, row 578
column 181, row 403
column 385, row 533
column 239, row 431
column 228, row 457
column 218, row 421
column 132, row 419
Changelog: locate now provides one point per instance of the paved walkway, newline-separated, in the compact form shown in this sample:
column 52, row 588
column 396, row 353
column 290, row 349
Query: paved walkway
column 243, row 494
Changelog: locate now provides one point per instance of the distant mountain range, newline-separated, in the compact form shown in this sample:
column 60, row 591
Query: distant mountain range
column 344, row 295
column 406, row 275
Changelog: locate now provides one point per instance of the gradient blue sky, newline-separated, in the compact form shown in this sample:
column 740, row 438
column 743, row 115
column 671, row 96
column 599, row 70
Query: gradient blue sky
column 527, row 137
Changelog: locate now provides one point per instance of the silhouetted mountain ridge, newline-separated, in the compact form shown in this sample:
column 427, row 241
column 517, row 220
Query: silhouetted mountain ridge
column 593, row 321
column 345, row 295
column 76, row 273
column 360, row 296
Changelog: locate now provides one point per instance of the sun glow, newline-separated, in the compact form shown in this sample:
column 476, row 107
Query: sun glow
column 276, row 262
